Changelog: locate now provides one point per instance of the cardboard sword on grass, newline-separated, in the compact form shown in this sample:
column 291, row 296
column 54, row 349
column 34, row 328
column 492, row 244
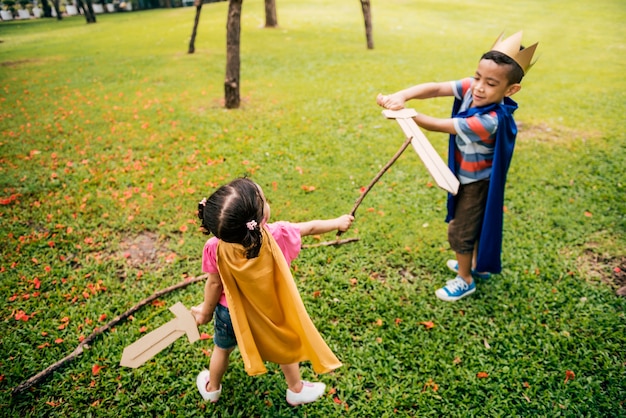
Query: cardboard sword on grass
column 151, row 344
column 437, row 168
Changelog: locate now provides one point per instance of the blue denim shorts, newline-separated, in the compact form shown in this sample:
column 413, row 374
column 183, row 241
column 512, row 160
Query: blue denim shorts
column 223, row 329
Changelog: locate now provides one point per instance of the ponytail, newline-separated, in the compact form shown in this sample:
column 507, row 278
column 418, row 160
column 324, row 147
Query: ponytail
column 233, row 213
column 253, row 239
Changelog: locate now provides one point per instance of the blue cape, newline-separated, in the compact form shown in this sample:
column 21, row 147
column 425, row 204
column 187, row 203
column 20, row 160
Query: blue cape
column 490, row 243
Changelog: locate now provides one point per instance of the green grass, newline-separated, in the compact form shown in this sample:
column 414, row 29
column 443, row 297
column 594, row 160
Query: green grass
column 111, row 133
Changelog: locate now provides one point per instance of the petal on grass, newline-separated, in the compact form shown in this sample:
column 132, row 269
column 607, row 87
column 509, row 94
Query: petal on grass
column 427, row 324
column 22, row 316
column 95, row 369
column 9, row 200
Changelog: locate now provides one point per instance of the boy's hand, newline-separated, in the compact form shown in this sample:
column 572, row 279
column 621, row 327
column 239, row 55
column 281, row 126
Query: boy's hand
column 201, row 316
column 393, row 101
column 344, row 222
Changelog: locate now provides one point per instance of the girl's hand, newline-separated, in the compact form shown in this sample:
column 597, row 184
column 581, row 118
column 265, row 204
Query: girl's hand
column 201, row 316
column 344, row 222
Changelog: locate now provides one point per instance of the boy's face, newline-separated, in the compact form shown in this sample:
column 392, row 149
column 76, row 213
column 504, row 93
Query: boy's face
column 491, row 84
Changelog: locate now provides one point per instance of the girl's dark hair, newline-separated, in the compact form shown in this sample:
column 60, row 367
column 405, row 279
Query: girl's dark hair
column 233, row 213
column 515, row 74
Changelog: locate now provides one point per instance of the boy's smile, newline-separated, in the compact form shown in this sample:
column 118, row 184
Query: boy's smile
column 491, row 84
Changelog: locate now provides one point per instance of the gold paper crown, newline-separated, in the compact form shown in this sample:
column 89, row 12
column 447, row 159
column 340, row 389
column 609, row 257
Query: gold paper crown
column 511, row 47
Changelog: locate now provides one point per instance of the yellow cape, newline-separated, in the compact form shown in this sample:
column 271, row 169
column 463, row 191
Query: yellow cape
column 269, row 318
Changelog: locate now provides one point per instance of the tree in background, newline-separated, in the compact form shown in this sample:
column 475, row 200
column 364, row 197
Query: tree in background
column 192, row 41
column 87, row 8
column 270, row 14
column 47, row 10
column 233, row 40
column 367, row 17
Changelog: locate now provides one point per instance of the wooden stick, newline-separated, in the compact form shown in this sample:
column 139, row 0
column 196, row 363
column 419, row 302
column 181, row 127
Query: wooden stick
column 377, row 177
column 329, row 243
column 435, row 165
column 84, row 344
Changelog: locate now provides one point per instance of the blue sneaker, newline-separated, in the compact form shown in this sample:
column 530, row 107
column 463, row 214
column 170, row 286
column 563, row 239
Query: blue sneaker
column 454, row 266
column 455, row 289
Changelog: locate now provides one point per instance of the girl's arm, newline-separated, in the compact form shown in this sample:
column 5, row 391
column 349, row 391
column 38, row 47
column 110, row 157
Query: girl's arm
column 315, row 227
column 213, row 289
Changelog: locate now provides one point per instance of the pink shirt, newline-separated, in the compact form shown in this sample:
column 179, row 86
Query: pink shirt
column 286, row 234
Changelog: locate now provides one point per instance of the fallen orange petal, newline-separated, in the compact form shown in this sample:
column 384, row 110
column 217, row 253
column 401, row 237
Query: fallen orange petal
column 95, row 369
column 427, row 324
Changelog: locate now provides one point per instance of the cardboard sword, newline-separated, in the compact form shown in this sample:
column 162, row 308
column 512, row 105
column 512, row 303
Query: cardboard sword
column 151, row 344
column 437, row 168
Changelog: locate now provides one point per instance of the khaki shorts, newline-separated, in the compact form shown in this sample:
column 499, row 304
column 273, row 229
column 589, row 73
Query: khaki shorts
column 464, row 229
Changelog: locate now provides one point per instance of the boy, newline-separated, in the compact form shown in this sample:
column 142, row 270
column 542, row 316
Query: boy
column 482, row 137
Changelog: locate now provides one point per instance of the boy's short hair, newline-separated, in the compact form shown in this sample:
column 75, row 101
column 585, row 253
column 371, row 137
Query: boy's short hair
column 515, row 73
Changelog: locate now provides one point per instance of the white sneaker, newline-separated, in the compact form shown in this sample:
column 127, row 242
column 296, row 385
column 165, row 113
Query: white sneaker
column 310, row 393
column 455, row 289
column 201, row 381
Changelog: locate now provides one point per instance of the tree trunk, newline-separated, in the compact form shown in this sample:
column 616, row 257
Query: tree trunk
column 92, row 14
column 367, row 17
column 233, row 32
column 270, row 14
column 47, row 10
column 55, row 4
column 87, row 9
column 192, row 41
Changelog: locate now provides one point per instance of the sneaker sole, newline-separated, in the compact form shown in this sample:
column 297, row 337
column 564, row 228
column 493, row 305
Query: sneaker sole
column 445, row 297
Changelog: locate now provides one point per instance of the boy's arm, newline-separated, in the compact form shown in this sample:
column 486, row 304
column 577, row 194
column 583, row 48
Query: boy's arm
column 315, row 227
column 396, row 100
column 213, row 289
column 435, row 124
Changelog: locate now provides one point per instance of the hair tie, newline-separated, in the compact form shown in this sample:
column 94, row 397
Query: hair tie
column 251, row 225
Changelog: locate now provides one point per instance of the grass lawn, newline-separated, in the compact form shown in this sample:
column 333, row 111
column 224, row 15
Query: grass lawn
column 111, row 134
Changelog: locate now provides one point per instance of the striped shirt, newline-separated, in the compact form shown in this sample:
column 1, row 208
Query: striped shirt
column 475, row 137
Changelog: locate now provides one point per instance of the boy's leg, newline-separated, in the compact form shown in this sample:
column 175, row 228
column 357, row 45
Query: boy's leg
column 463, row 234
column 465, row 266
column 464, row 230
column 474, row 255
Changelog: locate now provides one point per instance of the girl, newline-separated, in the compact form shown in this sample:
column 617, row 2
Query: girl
column 252, row 293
